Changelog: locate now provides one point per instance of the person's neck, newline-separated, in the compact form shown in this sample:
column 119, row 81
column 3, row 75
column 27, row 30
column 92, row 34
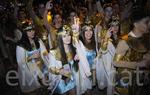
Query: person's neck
column 107, row 19
column 137, row 33
column 88, row 41
column 58, row 25
column 31, row 40
column 66, row 47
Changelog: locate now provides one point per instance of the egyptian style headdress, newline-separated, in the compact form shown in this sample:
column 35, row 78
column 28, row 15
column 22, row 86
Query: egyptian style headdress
column 114, row 21
column 87, row 23
column 27, row 25
column 65, row 30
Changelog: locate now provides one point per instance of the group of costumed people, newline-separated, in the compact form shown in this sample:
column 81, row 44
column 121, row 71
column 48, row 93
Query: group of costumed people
column 68, row 68
column 82, row 55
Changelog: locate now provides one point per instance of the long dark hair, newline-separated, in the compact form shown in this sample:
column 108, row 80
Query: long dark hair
column 63, row 53
column 91, row 45
column 25, row 43
column 62, row 50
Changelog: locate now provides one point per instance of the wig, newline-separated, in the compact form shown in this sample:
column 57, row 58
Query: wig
column 24, row 41
column 65, row 29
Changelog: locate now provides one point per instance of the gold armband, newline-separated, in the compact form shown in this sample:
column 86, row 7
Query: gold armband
column 104, row 46
column 75, row 37
column 29, row 59
column 118, row 57
column 45, row 53
column 55, row 70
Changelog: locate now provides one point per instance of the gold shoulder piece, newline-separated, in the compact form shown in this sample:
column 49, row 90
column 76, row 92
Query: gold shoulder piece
column 56, row 53
column 75, row 37
column 118, row 57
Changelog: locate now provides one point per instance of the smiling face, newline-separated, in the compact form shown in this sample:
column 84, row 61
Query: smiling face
column 88, row 33
column 66, row 38
column 30, row 34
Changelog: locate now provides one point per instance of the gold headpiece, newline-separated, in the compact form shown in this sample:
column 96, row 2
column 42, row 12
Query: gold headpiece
column 27, row 25
column 115, row 21
column 87, row 21
column 65, row 30
column 107, row 5
column 87, row 24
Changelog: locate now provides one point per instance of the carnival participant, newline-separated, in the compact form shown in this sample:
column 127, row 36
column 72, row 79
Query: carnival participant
column 31, row 57
column 104, row 67
column 88, row 40
column 129, row 51
column 103, row 23
column 115, row 30
column 53, row 29
column 62, row 65
column 83, row 83
column 104, row 61
column 71, row 17
column 108, row 12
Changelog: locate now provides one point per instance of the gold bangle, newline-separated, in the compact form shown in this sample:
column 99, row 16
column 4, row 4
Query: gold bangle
column 118, row 57
column 29, row 59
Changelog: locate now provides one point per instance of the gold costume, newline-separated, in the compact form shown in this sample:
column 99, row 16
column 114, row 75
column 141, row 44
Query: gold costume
column 132, row 55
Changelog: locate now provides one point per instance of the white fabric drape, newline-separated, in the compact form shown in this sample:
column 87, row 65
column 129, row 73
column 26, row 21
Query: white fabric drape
column 83, row 83
column 28, row 81
column 105, row 70
column 85, row 68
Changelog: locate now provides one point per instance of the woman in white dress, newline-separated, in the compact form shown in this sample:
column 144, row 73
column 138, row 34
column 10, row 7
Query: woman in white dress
column 105, row 70
column 31, row 57
column 83, row 82
column 62, row 64
column 88, row 39
column 77, row 61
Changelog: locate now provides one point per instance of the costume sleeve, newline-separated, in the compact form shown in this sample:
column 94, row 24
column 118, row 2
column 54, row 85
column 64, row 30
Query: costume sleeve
column 84, row 65
column 24, row 74
column 21, row 56
column 44, row 53
column 104, row 66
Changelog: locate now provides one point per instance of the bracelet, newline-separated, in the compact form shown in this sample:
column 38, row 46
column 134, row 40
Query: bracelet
column 29, row 59
column 103, row 51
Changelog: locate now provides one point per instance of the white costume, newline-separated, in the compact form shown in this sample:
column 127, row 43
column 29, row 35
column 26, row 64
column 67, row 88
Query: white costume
column 28, row 71
column 57, row 84
column 80, row 78
column 104, row 68
column 83, row 83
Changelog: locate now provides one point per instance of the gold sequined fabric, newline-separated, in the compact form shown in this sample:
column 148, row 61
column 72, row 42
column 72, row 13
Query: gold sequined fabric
column 136, row 50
